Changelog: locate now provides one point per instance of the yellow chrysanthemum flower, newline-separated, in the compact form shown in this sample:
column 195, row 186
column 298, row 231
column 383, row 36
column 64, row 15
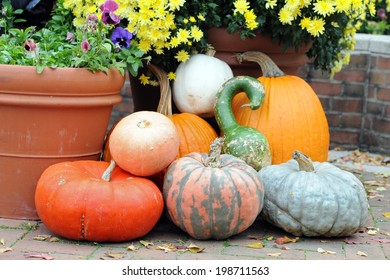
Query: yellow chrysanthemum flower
column 196, row 33
column 324, row 8
column 317, row 27
column 285, row 16
column 241, row 6
column 182, row 56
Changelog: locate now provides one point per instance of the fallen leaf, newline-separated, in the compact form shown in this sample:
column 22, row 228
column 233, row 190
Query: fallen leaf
column 386, row 214
column 131, row 248
column 325, row 252
column 54, row 239
column 39, row 256
column 255, row 245
column 270, row 238
column 194, row 249
column 285, row 239
column 274, row 254
column 362, row 254
column 6, row 249
column 372, row 232
column 2, row 242
column 146, row 244
column 381, row 189
column 115, row 256
column 387, row 233
column 166, row 248
column 41, row 237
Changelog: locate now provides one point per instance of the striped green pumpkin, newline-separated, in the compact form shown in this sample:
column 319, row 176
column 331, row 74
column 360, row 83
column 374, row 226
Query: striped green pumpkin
column 212, row 201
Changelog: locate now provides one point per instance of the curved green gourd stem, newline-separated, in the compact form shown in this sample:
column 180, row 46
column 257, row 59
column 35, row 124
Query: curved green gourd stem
column 243, row 142
column 254, row 90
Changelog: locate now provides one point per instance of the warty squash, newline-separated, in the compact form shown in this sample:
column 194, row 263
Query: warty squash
column 245, row 142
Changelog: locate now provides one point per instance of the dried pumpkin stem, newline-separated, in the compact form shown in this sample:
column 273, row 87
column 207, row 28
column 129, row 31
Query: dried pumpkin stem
column 107, row 173
column 213, row 159
column 304, row 162
column 267, row 65
column 165, row 103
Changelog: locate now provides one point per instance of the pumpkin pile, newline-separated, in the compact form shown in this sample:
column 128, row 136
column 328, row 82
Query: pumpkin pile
column 210, row 187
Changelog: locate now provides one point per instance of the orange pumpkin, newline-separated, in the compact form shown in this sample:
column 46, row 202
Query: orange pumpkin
column 144, row 143
column 96, row 201
column 291, row 117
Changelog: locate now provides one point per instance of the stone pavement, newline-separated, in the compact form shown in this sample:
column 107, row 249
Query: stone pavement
column 24, row 240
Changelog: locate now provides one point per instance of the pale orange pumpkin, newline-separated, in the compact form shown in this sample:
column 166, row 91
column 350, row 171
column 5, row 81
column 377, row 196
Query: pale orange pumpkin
column 144, row 143
column 291, row 117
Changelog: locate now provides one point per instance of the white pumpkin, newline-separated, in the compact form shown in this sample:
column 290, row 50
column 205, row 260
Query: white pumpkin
column 313, row 198
column 197, row 83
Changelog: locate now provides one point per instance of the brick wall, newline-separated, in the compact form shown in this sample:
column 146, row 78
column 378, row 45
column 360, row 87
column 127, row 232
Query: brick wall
column 356, row 101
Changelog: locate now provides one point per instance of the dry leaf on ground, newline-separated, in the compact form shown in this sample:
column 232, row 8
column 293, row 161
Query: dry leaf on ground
column 274, row 254
column 386, row 214
column 114, row 255
column 2, row 242
column 255, row 245
column 42, row 237
column 362, row 254
column 146, row 244
column 131, row 248
column 6, row 249
column 325, row 252
column 39, row 256
column 285, row 239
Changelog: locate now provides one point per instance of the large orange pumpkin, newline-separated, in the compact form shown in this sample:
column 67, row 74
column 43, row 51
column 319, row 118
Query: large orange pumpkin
column 291, row 117
column 83, row 200
column 212, row 196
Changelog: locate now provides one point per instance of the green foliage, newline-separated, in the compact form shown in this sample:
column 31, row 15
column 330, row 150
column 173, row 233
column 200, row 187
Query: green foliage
column 54, row 47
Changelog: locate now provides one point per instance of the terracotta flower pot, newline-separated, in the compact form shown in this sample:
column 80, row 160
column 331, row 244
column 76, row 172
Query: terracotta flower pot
column 228, row 45
column 59, row 115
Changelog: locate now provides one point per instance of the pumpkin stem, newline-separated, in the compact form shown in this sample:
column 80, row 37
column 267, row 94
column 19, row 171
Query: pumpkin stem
column 213, row 159
column 267, row 65
column 211, row 51
column 165, row 104
column 304, row 162
column 107, row 173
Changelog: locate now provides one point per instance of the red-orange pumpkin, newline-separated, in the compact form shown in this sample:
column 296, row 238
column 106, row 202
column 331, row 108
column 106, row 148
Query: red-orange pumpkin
column 212, row 196
column 76, row 201
column 291, row 117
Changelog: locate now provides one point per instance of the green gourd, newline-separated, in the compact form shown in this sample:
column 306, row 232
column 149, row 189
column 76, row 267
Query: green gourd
column 244, row 142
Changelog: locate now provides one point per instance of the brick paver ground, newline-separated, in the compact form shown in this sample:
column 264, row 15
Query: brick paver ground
column 23, row 239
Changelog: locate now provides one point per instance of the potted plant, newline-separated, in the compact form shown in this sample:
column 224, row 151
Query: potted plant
column 58, row 86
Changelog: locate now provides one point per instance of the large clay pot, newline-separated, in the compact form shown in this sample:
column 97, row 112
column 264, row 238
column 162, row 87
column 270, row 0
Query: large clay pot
column 228, row 45
column 59, row 115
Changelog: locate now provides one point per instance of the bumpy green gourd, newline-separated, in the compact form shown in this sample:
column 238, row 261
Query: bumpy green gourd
column 244, row 142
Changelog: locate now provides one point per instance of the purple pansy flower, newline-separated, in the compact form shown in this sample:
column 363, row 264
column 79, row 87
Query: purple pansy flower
column 29, row 45
column 121, row 37
column 85, row 46
column 108, row 16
